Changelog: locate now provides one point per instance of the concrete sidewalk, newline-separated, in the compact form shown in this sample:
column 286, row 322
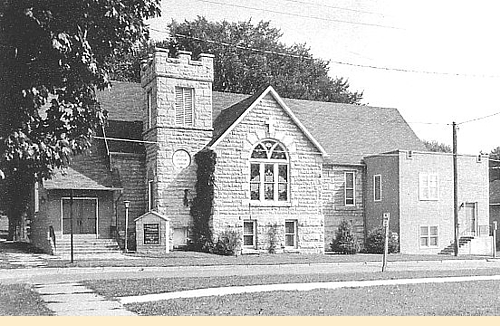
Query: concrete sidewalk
column 73, row 299
column 296, row 287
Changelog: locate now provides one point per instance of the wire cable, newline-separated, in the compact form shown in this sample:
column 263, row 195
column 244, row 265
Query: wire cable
column 299, row 15
column 335, row 7
column 333, row 61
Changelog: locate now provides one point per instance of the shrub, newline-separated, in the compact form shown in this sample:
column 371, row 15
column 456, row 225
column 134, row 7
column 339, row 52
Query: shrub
column 345, row 241
column 273, row 238
column 228, row 243
column 375, row 241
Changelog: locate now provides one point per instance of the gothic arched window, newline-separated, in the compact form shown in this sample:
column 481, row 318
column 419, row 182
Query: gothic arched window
column 269, row 172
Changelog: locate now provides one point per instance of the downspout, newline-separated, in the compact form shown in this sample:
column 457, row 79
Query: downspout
column 365, row 195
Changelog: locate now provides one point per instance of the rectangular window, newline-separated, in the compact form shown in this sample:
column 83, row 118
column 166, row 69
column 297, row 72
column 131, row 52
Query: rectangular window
column 428, row 236
column 184, row 106
column 151, row 197
column 349, row 188
column 269, row 182
column 149, row 105
column 249, row 234
column 428, row 186
column 291, row 233
column 377, row 187
column 36, row 197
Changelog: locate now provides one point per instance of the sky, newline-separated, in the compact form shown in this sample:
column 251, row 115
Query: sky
column 436, row 60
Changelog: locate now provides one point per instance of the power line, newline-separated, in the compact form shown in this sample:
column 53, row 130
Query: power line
column 334, row 61
column 415, row 71
column 480, row 118
column 299, row 15
column 335, row 7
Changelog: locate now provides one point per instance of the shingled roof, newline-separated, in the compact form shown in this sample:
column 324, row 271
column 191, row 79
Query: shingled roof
column 347, row 132
column 88, row 171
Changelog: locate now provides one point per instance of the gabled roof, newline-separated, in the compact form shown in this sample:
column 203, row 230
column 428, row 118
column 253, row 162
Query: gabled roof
column 230, row 118
column 152, row 213
column 347, row 132
column 123, row 101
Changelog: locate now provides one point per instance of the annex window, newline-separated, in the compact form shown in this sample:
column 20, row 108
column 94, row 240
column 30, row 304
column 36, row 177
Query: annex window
column 377, row 187
column 349, row 188
column 184, row 106
column 269, row 172
column 428, row 236
column 151, row 196
column 428, row 186
column 249, row 234
column 149, row 108
column 291, row 233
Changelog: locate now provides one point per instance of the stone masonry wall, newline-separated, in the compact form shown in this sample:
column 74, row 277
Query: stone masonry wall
column 232, row 191
column 333, row 201
column 172, row 183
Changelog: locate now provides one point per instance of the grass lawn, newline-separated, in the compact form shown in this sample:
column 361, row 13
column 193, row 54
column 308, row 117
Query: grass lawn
column 130, row 287
column 451, row 299
column 20, row 300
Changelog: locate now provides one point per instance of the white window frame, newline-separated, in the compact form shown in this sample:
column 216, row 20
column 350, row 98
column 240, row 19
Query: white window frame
column 428, row 236
column 379, row 176
column 254, row 234
column 81, row 198
column 294, row 234
column 353, row 188
column 149, row 108
column 276, row 163
column 426, row 183
column 182, row 110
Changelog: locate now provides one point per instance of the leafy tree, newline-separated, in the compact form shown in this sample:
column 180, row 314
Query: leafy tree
column 54, row 55
column 237, row 69
column 434, row 146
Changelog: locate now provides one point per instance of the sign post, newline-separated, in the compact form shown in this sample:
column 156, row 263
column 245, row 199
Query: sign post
column 386, row 218
column 495, row 228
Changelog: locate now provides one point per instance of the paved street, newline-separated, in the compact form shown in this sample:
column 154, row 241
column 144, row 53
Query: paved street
column 57, row 275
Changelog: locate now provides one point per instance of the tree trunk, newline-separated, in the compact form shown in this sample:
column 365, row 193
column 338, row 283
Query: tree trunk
column 18, row 195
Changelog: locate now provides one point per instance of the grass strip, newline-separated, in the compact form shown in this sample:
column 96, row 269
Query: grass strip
column 21, row 300
column 479, row 298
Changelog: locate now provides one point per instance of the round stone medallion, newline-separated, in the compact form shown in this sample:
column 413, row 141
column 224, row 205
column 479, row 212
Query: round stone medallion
column 181, row 159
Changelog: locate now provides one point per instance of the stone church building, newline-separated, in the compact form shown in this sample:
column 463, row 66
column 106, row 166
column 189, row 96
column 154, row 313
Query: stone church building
column 295, row 166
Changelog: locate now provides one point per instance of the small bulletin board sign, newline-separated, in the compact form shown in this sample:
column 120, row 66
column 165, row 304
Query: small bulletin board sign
column 152, row 233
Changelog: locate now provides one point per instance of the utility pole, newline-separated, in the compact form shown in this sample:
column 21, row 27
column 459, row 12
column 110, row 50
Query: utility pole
column 455, row 188
column 71, row 223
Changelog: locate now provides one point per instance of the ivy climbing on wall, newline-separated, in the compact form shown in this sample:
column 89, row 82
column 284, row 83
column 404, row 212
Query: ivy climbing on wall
column 202, row 204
